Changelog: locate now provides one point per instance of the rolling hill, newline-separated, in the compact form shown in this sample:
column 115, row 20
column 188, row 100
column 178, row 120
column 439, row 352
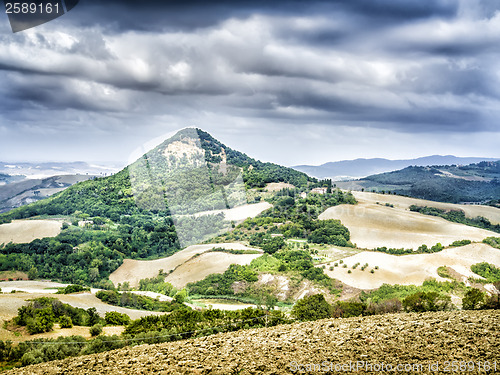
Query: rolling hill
column 19, row 192
column 191, row 162
column 186, row 190
column 349, row 169
column 476, row 183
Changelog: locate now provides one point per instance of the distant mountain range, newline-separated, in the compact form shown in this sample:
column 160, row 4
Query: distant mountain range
column 358, row 168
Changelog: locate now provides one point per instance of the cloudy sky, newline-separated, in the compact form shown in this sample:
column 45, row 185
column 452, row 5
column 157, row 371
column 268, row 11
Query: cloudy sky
column 296, row 82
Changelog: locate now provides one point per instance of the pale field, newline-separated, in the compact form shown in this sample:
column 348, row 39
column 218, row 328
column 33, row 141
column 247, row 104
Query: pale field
column 412, row 269
column 25, row 231
column 135, row 270
column 221, row 304
column 11, row 302
column 239, row 213
column 375, row 225
column 200, row 267
column 472, row 211
column 277, row 186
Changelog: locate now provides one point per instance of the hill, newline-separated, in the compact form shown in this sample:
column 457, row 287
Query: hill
column 428, row 339
column 478, row 182
column 192, row 162
column 393, row 225
column 340, row 170
column 18, row 191
column 184, row 191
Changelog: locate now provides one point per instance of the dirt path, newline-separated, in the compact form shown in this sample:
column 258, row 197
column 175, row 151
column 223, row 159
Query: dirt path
column 395, row 339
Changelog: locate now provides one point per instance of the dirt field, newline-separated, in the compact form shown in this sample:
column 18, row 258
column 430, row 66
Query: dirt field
column 394, row 339
column 491, row 213
column 135, row 270
column 200, row 267
column 24, row 231
column 373, row 225
column 411, row 269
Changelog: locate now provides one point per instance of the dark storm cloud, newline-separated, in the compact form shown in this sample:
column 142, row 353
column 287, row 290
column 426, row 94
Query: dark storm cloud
column 404, row 66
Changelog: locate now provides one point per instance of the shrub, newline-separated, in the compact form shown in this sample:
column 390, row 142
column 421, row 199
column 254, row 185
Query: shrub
column 65, row 322
column 473, row 299
column 388, row 306
column 116, row 319
column 95, row 330
column 311, row 308
column 348, row 309
column 426, row 301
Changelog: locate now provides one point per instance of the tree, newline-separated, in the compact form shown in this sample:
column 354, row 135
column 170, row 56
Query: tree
column 33, row 273
column 65, row 322
column 117, row 319
column 426, row 301
column 473, row 299
column 273, row 244
column 95, row 330
column 181, row 296
column 312, row 308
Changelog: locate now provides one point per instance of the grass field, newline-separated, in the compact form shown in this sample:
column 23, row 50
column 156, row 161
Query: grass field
column 472, row 211
column 201, row 266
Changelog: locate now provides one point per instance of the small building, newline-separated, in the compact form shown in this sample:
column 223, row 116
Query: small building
column 303, row 195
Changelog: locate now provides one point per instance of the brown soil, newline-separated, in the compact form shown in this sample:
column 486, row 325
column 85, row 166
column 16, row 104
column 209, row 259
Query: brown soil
column 395, row 339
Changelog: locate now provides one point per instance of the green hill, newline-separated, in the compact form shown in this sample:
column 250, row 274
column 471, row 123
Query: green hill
column 113, row 196
column 478, row 182
column 143, row 211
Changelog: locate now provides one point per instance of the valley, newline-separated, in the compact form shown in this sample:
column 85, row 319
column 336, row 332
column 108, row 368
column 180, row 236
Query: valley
column 209, row 230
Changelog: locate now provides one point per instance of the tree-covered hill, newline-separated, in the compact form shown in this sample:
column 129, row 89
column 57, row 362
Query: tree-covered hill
column 118, row 195
column 478, row 182
column 144, row 211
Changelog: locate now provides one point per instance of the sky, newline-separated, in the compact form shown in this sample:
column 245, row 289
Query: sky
column 292, row 82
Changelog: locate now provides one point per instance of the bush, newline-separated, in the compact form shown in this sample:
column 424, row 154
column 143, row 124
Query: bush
column 473, row 299
column 114, row 318
column 65, row 322
column 73, row 288
column 348, row 309
column 427, row 301
column 312, row 308
column 95, row 330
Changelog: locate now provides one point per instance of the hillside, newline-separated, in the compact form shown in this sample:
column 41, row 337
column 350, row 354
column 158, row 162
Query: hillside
column 185, row 191
column 394, row 339
column 213, row 163
column 358, row 168
column 444, row 183
column 19, row 192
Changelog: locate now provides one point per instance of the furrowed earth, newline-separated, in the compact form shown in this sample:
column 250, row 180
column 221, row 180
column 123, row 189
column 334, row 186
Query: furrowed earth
column 425, row 343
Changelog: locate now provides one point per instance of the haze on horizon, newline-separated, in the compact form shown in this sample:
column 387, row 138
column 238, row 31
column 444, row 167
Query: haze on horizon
column 291, row 82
